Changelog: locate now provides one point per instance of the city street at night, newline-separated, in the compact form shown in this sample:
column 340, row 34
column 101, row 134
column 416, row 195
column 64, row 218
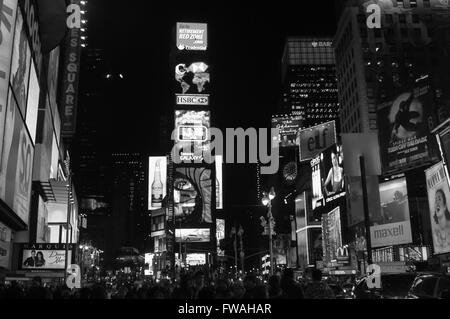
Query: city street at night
column 225, row 156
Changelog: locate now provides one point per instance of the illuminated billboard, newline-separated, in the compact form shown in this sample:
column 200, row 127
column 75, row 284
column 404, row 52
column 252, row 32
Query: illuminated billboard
column 45, row 256
column 192, row 133
column 157, row 182
column 7, row 29
column 220, row 234
column 439, row 201
column 17, row 163
column 20, row 67
column 192, row 99
column 219, row 181
column 392, row 226
column 331, row 235
column 148, row 269
column 404, row 128
column 288, row 127
column 192, row 195
column 5, row 246
column 192, row 36
column 315, row 140
column 328, row 176
column 196, row 259
column 192, row 78
column 195, row 235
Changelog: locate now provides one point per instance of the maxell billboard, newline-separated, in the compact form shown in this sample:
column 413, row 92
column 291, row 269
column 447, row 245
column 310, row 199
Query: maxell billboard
column 69, row 94
column 315, row 140
column 392, row 226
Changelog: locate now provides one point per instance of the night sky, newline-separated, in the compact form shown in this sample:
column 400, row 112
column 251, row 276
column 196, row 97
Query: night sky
column 245, row 47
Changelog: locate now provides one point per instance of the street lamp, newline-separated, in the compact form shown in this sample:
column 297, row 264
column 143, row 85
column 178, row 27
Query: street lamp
column 267, row 201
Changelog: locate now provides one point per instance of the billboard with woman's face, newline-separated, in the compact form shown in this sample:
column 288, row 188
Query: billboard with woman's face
column 438, row 196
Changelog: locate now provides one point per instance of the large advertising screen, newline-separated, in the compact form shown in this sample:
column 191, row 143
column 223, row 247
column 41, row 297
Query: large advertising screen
column 192, row 133
column 220, row 234
column 328, row 176
column 331, row 234
column 393, row 225
column 8, row 9
column 52, row 78
column 439, row 201
column 157, row 182
column 45, row 256
column 192, row 77
column 16, row 163
column 20, row 67
column 288, row 127
column 219, row 181
column 404, row 128
column 315, row 140
column 192, row 195
column 192, row 36
column 196, row 235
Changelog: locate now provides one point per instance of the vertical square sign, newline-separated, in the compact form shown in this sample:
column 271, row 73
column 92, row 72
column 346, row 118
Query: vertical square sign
column 192, row 36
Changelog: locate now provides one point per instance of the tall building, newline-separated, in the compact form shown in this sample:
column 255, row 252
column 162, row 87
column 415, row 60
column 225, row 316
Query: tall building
column 129, row 223
column 386, row 74
column 309, row 80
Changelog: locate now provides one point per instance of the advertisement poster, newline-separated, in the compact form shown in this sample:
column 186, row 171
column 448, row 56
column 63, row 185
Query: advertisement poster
column 20, row 67
column 219, row 181
column 192, row 78
column 192, row 195
column 302, row 247
column 439, row 201
column 5, row 246
column 192, row 133
column 334, row 232
column 157, row 182
column 45, row 256
column 404, row 128
column 220, row 234
column 192, row 36
column 17, row 163
column 315, row 140
column 316, row 179
column 288, row 127
column 8, row 10
column 315, row 245
column 52, row 78
column 393, row 225
column 196, row 235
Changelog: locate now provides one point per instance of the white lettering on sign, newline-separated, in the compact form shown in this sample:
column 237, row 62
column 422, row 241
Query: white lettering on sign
column 74, row 18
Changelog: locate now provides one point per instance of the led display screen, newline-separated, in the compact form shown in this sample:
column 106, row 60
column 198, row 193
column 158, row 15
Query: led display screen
column 157, row 182
column 192, row 36
column 45, row 256
column 288, row 127
column 193, row 235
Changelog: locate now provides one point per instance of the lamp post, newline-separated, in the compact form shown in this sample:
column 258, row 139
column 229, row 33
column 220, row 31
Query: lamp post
column 267, row 201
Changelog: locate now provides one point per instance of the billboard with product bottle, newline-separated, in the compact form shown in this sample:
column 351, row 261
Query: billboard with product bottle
column 157, row 182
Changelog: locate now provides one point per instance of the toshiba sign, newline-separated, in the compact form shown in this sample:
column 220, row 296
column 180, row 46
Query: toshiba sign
column 192, row 99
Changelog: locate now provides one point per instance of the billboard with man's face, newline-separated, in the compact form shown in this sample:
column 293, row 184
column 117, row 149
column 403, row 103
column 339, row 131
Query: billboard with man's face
column 404, row 128
column 438, row 197
column 45, row 256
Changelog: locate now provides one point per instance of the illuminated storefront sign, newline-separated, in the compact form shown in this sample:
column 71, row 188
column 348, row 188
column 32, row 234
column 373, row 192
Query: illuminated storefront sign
column 316, row 139
column 192, row 99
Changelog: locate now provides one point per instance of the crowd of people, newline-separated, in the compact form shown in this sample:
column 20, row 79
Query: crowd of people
column 188, row 287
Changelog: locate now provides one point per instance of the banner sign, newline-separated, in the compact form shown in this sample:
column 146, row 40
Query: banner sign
column 438, row 199
column 69, row 94
column 317, row 139
column 288, row 127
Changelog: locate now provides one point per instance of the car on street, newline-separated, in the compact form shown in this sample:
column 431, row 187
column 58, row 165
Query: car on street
column 392, row 286
column 430, row 286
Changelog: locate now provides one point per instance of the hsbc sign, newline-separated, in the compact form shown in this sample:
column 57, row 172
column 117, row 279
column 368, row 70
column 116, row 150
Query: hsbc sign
column 192, row 99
